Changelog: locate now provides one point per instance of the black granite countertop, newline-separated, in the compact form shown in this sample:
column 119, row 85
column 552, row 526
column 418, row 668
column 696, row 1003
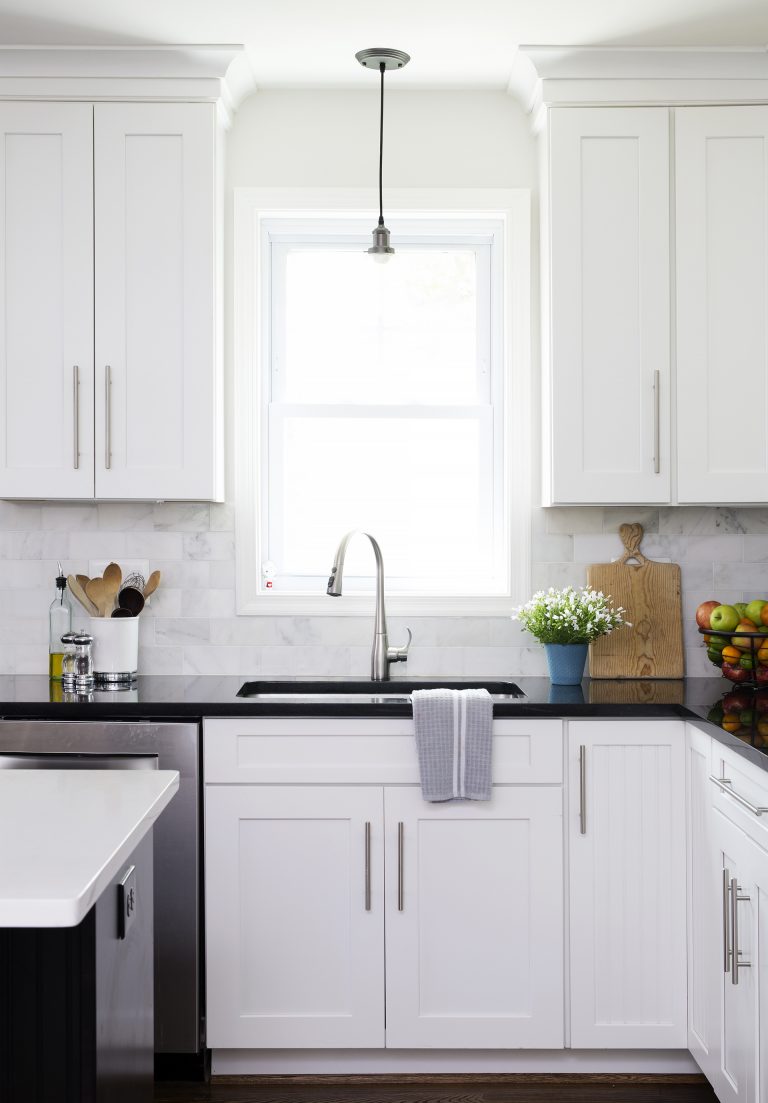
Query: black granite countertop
column 710, row 702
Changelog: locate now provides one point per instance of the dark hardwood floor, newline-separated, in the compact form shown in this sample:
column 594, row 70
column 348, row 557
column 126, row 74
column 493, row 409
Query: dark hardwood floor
column 442, row 1089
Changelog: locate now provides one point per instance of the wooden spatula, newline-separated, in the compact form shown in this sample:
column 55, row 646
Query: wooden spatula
column 113, row 577
column 77, row 591
column 152, row 583
column 101, row 596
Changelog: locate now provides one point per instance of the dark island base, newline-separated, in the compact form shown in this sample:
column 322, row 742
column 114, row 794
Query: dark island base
column 76, row 1004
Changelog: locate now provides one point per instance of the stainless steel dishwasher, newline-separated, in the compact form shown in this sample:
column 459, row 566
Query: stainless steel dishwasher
column 127, row 745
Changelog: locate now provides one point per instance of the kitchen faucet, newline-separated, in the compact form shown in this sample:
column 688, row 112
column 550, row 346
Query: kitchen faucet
column 381, row 653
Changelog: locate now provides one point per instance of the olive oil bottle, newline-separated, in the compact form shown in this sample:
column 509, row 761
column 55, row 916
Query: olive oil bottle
column 59, row 622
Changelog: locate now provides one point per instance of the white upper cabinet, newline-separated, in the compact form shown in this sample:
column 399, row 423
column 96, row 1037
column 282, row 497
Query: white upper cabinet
column 46, row 285
column 108, row 242
column 722, row 298
column 157, row 404
column 606, row 298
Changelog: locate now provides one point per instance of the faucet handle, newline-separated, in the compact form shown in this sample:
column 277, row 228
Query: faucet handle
column 400, row 654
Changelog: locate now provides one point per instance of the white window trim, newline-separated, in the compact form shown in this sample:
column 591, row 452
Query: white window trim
column 254, row 205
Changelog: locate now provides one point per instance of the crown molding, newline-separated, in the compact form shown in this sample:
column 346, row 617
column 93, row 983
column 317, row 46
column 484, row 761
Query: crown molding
column 219, row 74
column 548, row 76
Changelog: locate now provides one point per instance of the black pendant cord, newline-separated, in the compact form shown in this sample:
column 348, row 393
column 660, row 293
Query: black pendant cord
column 382, row 67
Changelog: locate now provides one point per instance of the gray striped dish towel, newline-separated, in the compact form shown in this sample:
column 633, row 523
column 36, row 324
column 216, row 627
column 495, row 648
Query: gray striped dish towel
column 453, row 730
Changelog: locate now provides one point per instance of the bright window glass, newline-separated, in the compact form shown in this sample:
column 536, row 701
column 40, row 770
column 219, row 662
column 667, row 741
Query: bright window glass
column 383, row 412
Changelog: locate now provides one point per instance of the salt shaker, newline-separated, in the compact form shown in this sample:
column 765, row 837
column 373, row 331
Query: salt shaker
column 82, row 664
column 68, row 657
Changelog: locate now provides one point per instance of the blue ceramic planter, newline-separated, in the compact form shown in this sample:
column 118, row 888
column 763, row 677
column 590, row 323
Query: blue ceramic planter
column 566, row 662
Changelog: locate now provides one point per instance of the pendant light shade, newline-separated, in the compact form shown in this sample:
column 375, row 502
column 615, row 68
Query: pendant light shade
column 381, row 59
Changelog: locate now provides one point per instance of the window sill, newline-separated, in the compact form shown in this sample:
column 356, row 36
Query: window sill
column 398, row 605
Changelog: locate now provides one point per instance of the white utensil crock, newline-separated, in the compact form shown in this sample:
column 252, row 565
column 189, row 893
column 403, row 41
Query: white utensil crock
column 115, row 648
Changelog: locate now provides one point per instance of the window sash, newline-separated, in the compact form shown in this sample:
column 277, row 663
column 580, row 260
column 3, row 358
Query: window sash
column 280, row 247
column 492, row 497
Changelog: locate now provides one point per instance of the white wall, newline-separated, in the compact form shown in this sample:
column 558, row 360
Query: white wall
column 330, row 139
column 431, row 139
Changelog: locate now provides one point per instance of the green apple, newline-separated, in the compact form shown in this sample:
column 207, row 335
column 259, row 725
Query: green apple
column 754, row 610
column 717, row 643
column 724, row 618
column 741, row 608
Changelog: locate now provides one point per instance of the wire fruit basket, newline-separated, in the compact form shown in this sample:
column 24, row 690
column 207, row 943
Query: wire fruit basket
column 748, row 669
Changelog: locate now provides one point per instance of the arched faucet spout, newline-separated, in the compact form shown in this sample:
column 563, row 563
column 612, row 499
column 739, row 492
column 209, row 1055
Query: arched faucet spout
column 381, row 654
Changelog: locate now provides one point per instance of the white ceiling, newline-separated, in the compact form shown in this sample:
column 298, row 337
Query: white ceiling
column 453, row 43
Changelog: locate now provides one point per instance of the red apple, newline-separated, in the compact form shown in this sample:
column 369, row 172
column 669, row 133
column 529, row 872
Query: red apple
column 736, row 702
column 704, row 612
column 736, row 674
column 761, row 675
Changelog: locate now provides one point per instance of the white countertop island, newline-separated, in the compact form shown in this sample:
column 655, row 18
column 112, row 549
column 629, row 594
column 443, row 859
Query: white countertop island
column 64, row 835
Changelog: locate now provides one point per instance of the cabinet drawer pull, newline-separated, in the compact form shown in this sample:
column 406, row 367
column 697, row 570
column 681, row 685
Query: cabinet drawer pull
column 726, row 933
column 736, row 899
column 76, row 416
column 107, row 417
column 400, row 856
column 367, row 866
column 656, row 422
column 725, row 783
column 583, row 790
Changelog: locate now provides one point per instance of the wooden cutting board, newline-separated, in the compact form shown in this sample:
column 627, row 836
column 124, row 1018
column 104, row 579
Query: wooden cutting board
column 650, row 593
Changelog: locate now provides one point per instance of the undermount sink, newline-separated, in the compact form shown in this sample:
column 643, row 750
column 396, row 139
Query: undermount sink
column 352, row 690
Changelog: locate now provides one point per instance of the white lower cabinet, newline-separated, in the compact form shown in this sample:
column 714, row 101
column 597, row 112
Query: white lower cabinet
column 627, row 884
column 727, row 921
column 733, row 1076
column 294, row 944
column 474, row 920
column 311, row 887
column 705, row 955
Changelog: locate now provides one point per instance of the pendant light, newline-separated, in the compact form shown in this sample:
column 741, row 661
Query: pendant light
column 381, row 59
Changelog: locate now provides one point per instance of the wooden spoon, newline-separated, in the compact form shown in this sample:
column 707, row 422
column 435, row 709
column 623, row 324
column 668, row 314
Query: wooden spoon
column 113, row 577
column 77, row 591
column 101, row 596
column 152, row 583
column 83, row 579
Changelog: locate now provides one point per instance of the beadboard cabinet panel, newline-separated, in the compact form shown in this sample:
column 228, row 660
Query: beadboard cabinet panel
column 722, row 298
column 46, row 292
column 627, row 884
column 704, row 908
column 156, row 395
column 474, row 920
column 609, row 307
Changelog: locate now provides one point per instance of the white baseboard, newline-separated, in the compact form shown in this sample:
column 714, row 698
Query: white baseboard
column 254, row 1062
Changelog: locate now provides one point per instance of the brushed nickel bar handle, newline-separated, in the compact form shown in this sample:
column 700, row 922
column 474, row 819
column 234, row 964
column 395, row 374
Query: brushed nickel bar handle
column 656, row 422
column 735, row 951
column 107, row 417
column 724, row 783
column 76, row 415
column 726, row 934
column 367, row 866
column 583, row 789
column 400, row 856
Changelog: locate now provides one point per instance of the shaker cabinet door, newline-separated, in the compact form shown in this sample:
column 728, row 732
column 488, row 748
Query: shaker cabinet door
column 606, row 345
column 157, row 401
column 474, row 929
column 722, row 299
column 294, row 916
column 46, row 290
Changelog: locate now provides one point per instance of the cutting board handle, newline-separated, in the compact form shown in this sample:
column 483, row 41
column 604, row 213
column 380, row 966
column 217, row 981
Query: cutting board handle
column 631, row 535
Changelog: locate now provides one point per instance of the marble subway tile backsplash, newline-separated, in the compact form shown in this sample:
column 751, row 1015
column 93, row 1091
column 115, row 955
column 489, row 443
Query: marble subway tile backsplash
column 191, row 627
